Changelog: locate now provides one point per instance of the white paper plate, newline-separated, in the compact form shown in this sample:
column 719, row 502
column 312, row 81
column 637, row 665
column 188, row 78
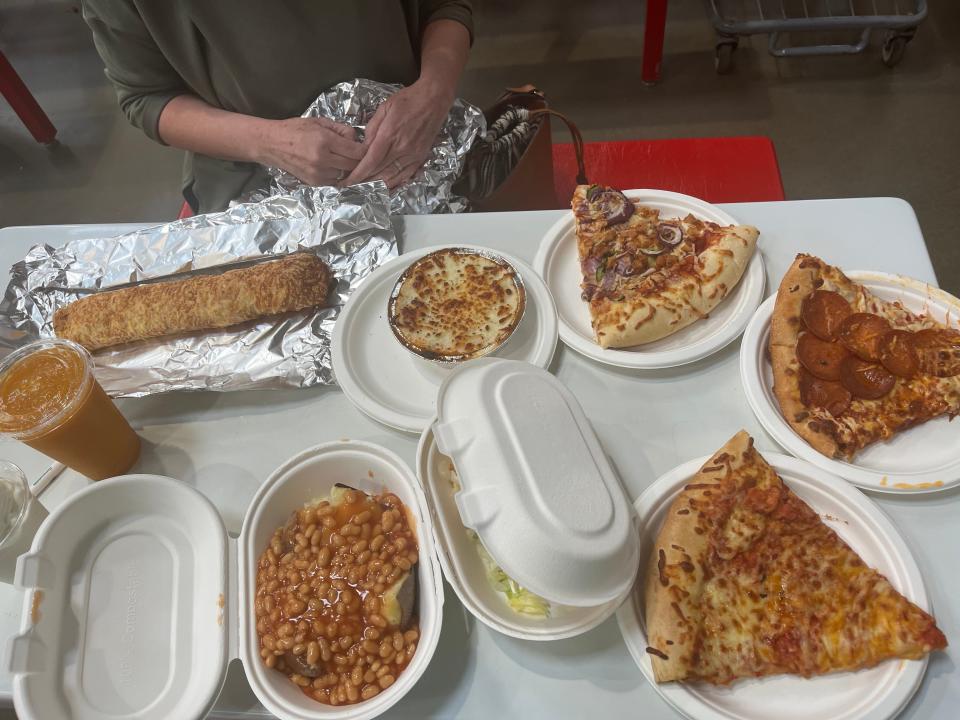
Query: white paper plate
column 878, row 693
column 385, row 381
column 558, row 264
column 920, row 460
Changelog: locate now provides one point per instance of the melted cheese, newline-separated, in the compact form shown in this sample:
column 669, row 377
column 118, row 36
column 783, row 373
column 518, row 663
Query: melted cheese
column 794, row 598
column 456, row 304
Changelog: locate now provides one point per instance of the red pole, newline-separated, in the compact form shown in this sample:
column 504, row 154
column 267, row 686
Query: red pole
column 24, row 104
column 653, row 32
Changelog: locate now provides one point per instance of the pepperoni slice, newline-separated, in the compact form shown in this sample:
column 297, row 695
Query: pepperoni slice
column 832, row 396
column 898, row 353
column 822, row 312
column 938, row 351
column 862, row 333
column 865, row 379
column 820, row 358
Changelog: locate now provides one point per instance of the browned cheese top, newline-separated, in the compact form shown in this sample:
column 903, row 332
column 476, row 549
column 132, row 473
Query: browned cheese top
column 456, row 303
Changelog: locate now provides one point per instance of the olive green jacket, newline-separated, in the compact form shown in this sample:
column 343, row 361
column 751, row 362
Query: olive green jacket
column 267, row 58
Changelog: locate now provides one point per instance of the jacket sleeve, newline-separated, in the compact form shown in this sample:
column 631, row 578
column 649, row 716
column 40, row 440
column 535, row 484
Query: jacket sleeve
column 143, row 78
column 459, row 10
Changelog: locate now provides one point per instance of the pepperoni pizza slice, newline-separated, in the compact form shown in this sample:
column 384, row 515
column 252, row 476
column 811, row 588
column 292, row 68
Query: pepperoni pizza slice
column 746, row 580
column 645, row 277
column 850, row 369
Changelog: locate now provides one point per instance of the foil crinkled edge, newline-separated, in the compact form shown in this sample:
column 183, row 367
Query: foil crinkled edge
column 430, row 191
column 350, row 229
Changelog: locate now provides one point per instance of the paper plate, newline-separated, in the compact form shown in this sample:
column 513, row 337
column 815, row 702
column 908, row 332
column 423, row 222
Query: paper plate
column 878, row 693
column 920, row 460
column 558, row 264
column 385, row 381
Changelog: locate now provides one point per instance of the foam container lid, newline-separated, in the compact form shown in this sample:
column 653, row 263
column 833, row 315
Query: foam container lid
column 125, row 611
column 536, row 485
column 137, row 599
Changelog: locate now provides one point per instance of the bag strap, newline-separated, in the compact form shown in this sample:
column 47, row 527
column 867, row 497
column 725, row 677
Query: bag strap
column 577, row 141
column 527, row 89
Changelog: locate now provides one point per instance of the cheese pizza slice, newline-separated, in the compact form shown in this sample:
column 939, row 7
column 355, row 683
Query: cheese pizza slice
column 746, row 580
column 851, row 369
column 645, row 277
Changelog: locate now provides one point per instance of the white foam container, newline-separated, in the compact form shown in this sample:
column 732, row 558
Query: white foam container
column 136, row 599
column 466, row 574
column 538, row 490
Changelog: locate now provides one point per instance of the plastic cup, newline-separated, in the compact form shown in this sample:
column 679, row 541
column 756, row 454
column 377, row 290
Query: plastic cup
column 21, row 515
column 50, row 400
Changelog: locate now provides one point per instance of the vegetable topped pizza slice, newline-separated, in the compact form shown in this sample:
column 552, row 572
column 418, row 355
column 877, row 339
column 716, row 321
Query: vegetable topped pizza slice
column 746, row 580
column 646, row 277
column 851, row 369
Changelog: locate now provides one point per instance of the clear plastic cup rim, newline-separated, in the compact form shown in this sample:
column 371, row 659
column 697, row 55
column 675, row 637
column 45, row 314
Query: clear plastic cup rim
column 67, row 410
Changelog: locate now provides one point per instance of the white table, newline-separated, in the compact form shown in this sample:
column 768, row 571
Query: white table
column 226, row 444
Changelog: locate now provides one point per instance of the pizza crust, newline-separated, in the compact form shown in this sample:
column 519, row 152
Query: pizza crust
column 674, row 586
column 686, row 299
column 801, row 279
column 786, row 387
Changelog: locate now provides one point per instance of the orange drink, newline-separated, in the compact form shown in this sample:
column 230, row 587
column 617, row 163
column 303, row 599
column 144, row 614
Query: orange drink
column 50, row 400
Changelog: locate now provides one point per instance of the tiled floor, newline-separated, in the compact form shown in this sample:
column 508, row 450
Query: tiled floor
column 843, row 126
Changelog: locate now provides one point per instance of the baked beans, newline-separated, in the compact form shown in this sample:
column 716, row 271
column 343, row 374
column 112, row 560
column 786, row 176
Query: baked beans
column 336, row 597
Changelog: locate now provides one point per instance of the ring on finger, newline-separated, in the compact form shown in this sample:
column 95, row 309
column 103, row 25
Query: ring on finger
column 341, row 175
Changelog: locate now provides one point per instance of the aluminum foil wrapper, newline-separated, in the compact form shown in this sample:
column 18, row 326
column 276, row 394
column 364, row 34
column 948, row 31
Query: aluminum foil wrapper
column 431, row 189
column 349, row 229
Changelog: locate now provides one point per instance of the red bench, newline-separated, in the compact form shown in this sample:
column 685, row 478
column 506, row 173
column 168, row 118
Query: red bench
column 730, row 169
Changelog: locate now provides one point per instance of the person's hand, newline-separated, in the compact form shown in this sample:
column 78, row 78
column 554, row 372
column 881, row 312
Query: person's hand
column 316, row 150
column 401, row 133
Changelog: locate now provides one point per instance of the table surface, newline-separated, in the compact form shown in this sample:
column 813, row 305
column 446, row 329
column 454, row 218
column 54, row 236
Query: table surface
column 226, row 444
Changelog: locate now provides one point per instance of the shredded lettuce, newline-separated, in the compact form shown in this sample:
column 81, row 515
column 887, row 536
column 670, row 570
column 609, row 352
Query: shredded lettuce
column 520, row 600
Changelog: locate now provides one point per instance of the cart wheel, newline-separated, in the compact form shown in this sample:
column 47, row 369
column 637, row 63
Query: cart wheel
column 893, row 48
column 723, row 56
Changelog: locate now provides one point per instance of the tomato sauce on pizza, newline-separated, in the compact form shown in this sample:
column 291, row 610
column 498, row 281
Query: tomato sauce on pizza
column 746, row 580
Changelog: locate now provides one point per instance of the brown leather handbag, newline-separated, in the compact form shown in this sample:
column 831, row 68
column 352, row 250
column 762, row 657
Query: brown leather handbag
column 528, row 182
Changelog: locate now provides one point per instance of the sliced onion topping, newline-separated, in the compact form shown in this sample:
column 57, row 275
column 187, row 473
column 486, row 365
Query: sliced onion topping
column 590, row 266
column 608, row 282
column 614, row 206
column 624, row 265
column 657, row 250
column 670, row 233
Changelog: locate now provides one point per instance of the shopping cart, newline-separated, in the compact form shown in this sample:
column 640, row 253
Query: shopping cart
column 898, row 19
